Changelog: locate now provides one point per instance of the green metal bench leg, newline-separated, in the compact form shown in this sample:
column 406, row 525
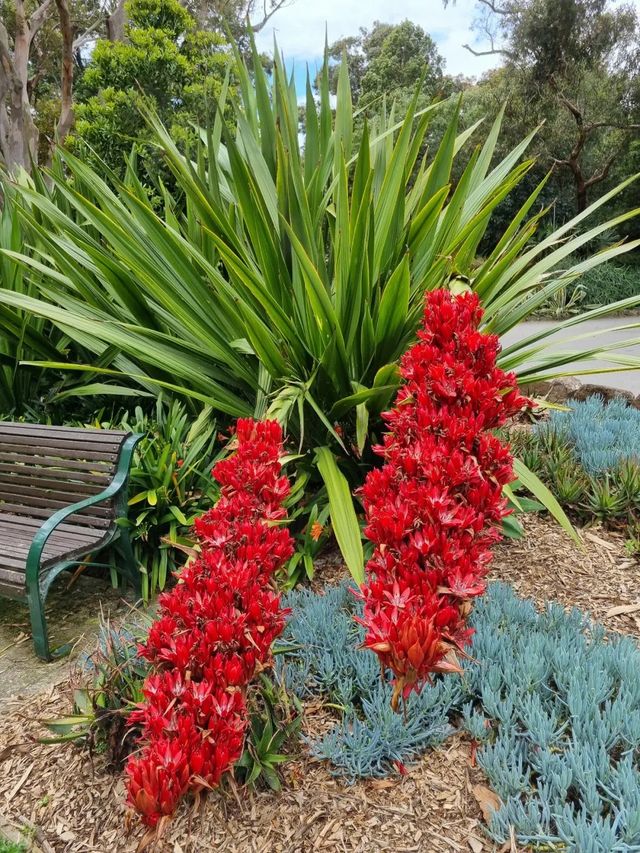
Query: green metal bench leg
column 39, row 625
column 130, row 563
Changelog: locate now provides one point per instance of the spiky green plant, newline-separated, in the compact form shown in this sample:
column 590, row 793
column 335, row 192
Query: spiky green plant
column 23, row 335
column 289, row 274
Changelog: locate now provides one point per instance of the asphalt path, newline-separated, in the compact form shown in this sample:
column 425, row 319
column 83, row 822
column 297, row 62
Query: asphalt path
column 598, row 336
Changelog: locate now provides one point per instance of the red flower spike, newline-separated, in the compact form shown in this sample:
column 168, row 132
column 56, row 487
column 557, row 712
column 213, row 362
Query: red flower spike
column 213, row 631
column 433, row 508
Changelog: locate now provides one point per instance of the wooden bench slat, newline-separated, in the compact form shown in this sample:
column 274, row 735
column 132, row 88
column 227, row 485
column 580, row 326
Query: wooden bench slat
column 53, row 463
column 14, row 551
column 23, row 428
column 29, row 471
column 14, row 534
column 12, row 577
column 78, row 446
column 35, row 432
column 52, row 452
column 35, row 523
column 34, row 496
column 74, row 489
column 40, row 512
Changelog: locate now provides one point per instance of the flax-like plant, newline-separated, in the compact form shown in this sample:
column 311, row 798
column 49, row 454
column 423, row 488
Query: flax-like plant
column 23, row 335
column 286, row 271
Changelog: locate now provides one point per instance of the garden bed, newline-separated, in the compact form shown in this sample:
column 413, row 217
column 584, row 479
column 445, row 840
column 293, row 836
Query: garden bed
column 70, row 803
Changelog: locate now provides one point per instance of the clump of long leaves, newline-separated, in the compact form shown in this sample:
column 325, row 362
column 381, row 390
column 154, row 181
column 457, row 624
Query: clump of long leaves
column 287, row 273
column 170, row 485
column 23, row 335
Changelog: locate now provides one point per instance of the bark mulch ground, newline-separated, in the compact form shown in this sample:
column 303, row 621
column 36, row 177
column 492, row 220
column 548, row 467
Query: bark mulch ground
column 63, row 801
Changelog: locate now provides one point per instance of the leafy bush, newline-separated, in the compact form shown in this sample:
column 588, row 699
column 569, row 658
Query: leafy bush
column 23, row 336
column 213, row 633
column 291, row 278
column 609, row 283
column 554, row 703
column 170, row 486
column 434, row 509
column 164, row 61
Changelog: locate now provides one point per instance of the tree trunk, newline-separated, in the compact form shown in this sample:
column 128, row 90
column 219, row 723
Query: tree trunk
column 66, row 90
column 21, row 141
column 115, row 23
column 581, row 194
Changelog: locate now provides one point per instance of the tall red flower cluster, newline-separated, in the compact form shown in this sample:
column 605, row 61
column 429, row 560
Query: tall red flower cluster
column 434, row 507
column 214, row 631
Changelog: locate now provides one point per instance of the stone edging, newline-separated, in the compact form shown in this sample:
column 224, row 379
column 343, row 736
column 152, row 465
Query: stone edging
column 570, row 388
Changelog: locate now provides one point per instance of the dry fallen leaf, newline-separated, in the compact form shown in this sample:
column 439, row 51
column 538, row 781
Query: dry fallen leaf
column 600, row 541
column 488, row 801
column 475, row 844
column 382, row 784
column 622, row 608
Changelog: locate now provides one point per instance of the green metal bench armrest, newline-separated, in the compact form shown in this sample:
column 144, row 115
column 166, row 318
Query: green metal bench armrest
column 115, row 486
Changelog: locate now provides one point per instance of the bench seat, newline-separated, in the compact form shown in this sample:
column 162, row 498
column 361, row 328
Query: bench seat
column 67, row 542
column 63, row 496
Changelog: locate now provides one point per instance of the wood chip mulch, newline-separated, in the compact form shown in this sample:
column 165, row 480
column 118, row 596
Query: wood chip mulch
column 546, row 565
column 69, row 804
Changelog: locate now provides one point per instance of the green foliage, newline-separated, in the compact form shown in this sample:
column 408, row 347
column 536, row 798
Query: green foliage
column 275, row 720
column 109, row 685
column 170, row 485
column 7, row 846
column 167, row 64
column 610, row 282
column 23, row 336
column 388, row 61
column 287, row 281
column 589, row 457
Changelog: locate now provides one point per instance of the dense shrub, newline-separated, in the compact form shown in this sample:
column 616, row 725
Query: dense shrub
column 312, row 295
column 169, row 486
column 610, row 282
column 434, row 508
column 554, row 704
column 601, row 435
column 214, row 630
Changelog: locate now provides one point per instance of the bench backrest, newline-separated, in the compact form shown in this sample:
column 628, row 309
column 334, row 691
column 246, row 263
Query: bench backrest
column 45, row 468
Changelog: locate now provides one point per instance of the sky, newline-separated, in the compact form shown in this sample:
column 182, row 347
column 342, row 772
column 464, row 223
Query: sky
column 300, row 29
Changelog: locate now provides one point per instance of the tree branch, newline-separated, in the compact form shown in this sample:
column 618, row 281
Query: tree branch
column 82, row 39
column 38, row 18
column 497, row 10
column 491, row 52
column 267, row 15
column 597, row 177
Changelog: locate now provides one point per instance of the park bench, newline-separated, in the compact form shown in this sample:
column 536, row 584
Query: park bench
column 62, row 492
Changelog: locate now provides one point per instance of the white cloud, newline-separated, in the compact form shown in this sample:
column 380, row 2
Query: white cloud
column 300, row 27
